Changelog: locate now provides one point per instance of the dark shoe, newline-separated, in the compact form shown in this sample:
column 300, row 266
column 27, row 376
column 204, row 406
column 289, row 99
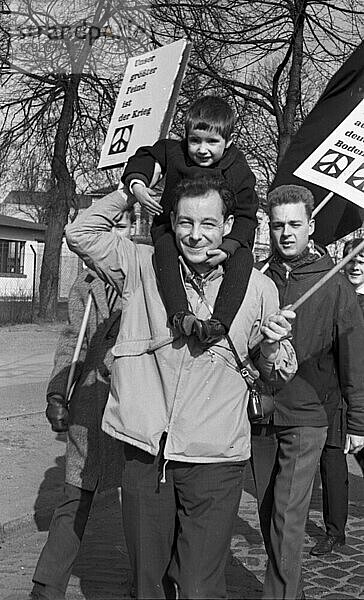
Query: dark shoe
column 183, row 321
column 209, row 332
column 43, row 591
column 326, row 545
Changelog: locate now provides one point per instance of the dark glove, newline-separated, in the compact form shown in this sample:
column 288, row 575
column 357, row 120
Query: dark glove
column 184, row 322
column 209, row 332
column 57, row 413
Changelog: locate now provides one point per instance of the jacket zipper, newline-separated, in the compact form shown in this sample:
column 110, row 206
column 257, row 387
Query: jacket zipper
column 287, row 274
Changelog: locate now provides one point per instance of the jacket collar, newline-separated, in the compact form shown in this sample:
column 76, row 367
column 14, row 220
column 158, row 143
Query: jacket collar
column 310, row 254
column 316, row 260
column 189, row 274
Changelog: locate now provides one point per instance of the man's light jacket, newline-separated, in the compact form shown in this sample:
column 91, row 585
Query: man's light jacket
column 161, row 383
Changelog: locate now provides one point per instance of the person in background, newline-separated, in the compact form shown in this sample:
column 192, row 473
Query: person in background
column 93, row 459
column 286, row 452
column 354, row 271
column 206, row 150
column 333, row 463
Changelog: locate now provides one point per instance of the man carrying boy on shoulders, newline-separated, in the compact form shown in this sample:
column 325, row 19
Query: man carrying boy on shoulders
column 206, row 150
column 181, row 411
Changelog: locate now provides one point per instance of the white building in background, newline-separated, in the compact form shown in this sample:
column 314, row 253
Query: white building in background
column 21, row 248
column 29, row 207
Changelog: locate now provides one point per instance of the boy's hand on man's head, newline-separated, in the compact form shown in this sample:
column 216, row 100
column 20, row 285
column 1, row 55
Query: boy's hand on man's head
column 145, row 196
column 216, row 257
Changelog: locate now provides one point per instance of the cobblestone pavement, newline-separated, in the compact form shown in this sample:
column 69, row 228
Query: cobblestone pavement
column 336, row 576
column 102, row 571
column 31, row 468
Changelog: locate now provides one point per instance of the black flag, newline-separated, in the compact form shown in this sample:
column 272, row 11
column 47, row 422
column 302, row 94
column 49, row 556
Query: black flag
column 343, row 93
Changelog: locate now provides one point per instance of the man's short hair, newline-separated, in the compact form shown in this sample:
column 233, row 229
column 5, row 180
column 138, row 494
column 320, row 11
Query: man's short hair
column 291, row 194
column 351, row 244
column 211, row 113
column 200, row 186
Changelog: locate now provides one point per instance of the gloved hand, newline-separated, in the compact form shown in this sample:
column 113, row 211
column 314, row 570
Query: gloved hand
column 207, row 332
column 57, row 413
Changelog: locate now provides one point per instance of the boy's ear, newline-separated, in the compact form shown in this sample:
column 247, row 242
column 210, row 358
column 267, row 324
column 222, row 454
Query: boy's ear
column 229, row 142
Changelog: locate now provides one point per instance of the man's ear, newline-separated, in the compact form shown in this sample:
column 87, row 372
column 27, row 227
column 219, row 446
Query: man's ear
column 311, row 225
column 173, row 221
column 228, row 225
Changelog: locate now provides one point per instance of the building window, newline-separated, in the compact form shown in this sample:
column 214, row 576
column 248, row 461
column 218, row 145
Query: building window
column 12, row 257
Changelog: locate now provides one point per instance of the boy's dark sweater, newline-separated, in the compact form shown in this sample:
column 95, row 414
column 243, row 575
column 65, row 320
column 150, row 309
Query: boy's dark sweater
column 176, row 165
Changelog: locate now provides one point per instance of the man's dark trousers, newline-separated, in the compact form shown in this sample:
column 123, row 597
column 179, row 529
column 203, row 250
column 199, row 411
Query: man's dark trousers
column 68, row 524
column 335, row 477
column 178, row 522
column 284, row 461
column 335, row 485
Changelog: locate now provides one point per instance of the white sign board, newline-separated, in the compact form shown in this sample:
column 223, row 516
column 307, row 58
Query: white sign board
column 142, row 103
column 338, row 163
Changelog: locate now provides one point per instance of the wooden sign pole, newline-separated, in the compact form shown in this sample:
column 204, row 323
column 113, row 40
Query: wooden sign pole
column 328, row 276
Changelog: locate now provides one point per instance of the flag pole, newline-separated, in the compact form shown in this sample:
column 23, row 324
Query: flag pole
column 77, row 351
column 314, row 213
column 322, row 204
column 328, row 276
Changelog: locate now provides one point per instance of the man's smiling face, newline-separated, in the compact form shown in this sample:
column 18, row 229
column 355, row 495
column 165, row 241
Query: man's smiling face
column 290, row 229
column 199, row 225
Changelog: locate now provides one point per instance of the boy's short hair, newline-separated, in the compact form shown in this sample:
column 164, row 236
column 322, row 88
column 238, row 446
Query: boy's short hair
column 211, row 113
column 351, row 244
column 202, row 185
column 291, row 194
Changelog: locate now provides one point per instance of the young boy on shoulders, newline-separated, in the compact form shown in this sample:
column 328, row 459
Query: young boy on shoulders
column 207, row 149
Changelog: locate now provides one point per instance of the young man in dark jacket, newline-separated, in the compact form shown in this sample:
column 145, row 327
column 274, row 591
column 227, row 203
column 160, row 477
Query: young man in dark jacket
column 328, row 336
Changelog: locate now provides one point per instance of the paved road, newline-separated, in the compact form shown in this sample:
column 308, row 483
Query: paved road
column 31, row 470
column 26, row 359
column 102, row 570
column 30, row 454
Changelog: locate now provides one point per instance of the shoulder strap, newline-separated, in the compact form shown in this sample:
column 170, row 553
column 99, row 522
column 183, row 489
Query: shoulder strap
column 241, row 366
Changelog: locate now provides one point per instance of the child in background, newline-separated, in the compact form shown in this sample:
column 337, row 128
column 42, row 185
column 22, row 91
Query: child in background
column 207, row 149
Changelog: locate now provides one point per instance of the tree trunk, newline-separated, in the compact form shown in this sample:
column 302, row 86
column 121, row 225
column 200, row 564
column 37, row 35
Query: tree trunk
column 287, row 122
column 59, row 207
column 48, row 289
